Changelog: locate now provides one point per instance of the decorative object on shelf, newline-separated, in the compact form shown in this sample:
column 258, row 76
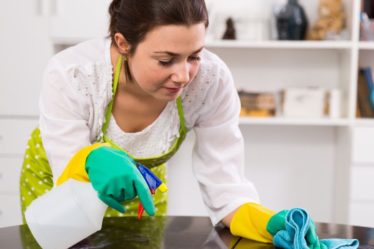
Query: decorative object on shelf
column 230, row 33
column 250, row 18
column 307, row 102
column 258, row 104
column 334, row 97
column 291, row 21
column 365, row 93
column 366, row 28
column 330, row 24
column 368, row 8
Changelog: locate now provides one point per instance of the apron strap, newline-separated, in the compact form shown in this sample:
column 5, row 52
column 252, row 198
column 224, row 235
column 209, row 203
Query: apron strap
column 182, row 126
column 109, row 108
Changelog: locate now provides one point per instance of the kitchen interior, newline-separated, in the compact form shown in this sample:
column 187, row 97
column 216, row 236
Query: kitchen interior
column 306, row 118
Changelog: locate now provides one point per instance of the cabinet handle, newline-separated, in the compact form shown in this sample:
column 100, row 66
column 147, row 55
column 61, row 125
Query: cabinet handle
column 46, row 7
column 1, row 176
column 1, row 138
column 40, row 7
column 53, row 7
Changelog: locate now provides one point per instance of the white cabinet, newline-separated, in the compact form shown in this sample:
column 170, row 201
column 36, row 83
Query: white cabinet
column 25, row 49
column 77, row 20
column 10, row 168
column 361, row 214
column 14, row 134
column 361, row 177
column 363, row 145
column 10, row 210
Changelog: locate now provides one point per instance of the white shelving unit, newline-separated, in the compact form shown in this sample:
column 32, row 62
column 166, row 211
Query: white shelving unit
column 281, row 44
column 330, row 172
column 320, row 164
column 294, row 121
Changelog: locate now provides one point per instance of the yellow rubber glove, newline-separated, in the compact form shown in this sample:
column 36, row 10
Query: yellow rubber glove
column 76, row 168
column 250, row 222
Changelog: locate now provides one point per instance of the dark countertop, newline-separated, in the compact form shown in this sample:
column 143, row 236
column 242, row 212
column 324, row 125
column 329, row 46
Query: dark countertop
column 172, row 233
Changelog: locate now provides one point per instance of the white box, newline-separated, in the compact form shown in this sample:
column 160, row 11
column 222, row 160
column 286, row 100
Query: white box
column 304, row 102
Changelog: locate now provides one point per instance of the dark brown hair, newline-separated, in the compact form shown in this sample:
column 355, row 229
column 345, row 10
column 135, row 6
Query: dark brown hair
column 134, row 18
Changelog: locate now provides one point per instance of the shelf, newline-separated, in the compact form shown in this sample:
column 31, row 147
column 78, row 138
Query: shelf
column 366, row 45
column 294, row 121
column 281, row 44
column 364, row 122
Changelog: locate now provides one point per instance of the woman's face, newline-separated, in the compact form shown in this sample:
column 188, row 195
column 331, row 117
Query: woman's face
column 167, row 60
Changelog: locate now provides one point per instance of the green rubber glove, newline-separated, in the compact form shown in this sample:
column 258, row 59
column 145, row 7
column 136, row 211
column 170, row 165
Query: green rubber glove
column 116, row 178
column 278, row 222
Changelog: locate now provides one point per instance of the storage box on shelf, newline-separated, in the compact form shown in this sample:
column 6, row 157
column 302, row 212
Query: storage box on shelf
column 276, row 66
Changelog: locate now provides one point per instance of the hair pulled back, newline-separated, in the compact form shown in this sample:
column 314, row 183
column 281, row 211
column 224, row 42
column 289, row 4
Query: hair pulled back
column 134, row 18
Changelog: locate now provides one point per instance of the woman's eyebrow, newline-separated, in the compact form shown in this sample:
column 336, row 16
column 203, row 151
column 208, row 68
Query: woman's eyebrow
column 175, row 54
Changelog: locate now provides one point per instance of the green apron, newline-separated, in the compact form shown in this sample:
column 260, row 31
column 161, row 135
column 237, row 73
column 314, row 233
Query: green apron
column 36, row 175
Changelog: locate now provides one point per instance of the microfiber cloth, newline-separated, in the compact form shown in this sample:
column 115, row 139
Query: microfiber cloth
column 300, row 233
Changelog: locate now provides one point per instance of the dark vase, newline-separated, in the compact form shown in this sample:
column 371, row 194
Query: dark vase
column 291, row 22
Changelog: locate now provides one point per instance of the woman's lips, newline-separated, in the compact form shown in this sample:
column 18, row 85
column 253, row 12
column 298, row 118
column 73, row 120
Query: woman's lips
column 173, row 89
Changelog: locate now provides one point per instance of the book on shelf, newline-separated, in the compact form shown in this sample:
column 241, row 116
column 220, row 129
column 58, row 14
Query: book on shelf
column 257, row 104
column 369, row 81
column 365, row 93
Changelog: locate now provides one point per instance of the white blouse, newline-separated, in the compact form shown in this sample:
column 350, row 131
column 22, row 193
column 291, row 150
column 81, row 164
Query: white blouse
column 154, row 140
column 77, row 87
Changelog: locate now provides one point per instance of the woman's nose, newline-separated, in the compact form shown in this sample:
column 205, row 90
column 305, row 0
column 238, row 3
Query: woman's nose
column 181, row 74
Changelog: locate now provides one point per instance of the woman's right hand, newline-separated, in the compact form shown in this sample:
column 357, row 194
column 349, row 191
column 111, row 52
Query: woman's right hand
column 116, row 178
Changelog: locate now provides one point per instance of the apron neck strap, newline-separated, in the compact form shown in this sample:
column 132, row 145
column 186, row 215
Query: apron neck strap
column 182, row 126
column 109, row 108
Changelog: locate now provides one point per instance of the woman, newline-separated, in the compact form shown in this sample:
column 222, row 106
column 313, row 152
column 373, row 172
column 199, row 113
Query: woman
column 108, row 103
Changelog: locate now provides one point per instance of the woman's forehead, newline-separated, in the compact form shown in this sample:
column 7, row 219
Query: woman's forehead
column 175, row 38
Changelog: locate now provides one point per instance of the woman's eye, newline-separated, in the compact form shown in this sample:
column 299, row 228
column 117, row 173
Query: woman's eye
column 165, row 63
column 194, row 58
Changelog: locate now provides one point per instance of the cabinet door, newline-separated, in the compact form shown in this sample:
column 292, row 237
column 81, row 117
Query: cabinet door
column 10, row 210
column 76, row 20
column 362, row 184
column 363, row 144
column 14, row 135
column 10, row 169
column 24, row 49
column 361, row 214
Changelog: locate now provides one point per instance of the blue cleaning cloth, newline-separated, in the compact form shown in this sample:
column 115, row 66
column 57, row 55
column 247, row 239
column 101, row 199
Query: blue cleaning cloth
column 299, row 227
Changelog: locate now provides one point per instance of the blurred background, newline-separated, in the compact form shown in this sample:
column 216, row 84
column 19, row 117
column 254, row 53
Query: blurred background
column 303, row 73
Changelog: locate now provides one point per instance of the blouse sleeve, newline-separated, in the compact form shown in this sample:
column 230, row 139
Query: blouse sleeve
column 218, row 154
column 64, row 114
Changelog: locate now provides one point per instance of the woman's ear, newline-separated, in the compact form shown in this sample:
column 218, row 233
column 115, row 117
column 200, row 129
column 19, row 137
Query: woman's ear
column 121, row 43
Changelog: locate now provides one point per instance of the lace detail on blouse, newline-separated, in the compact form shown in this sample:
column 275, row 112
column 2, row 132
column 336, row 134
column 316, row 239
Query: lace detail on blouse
column 154, row 140
column 87, row 82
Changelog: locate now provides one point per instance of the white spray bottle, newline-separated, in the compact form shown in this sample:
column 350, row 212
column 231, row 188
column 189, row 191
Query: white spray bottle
column 66, row 215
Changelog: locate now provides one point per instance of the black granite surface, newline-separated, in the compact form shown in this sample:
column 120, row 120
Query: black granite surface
column 172, row 233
